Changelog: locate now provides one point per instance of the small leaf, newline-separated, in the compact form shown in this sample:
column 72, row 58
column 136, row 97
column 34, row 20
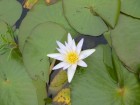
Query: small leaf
column 29, row 3
column 58, row 82
column 49, row 2
column 63, row 97
column 7, row 38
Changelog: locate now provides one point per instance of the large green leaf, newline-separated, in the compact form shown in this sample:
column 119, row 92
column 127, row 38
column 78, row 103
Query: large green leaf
column 94, row 86
column 41, row 42
column 39, row 14
column 16, row 87
column 3, row 27
column 131, row 7
column 10, row 11
column 126, row 42
column 88, row 16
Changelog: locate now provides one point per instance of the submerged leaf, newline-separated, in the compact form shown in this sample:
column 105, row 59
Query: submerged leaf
column 63, row 97
column 58, row 82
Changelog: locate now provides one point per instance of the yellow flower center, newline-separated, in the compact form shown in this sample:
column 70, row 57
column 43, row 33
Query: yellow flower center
column 72, row 57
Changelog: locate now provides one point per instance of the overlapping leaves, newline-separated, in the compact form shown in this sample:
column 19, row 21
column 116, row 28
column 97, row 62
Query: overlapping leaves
column 95, row 85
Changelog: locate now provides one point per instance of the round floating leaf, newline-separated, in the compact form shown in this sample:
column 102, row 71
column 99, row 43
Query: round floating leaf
column 39, row 14
column 3, row 27
column 94, row 86
column 10, row 11
column 41, row 91
column 41, row 42
column 126, row 42
column 131, row 7
column 88, row 16
column 16, row 87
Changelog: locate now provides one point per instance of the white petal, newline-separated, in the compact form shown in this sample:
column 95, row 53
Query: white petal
column 66, row 66
column 61, row 46
column 57, row 56
column 73, row 45
column 79, row 46
column 69, row 39
column 61, row 51
column 71, row 72
column 82, row 63
column 59, row 65
column 68, row 47
column 84, row 54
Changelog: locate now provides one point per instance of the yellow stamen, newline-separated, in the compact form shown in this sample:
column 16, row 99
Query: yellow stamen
column 72, row 57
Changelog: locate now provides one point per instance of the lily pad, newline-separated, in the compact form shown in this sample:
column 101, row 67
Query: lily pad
column 89, row 16
column 16, row 87
column 41, row 13
column 3, row 27
column 10, row 11
column 94, row 86
column 126, row 42
column 131, row 7
column 41, row 42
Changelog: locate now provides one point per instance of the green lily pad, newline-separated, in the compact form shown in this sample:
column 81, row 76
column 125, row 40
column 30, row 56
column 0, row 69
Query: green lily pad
column 94, row 86
column 108, row 37
column 41, row 13
column 126, row 42
column 41, row 42
column 10, row 11
column 131, row 7
column 89, row 16
column 40, row 90
column 3, row 27
column 16, row 87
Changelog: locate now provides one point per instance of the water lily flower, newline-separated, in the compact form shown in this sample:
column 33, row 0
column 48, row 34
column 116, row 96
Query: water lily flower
column 70, row 56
